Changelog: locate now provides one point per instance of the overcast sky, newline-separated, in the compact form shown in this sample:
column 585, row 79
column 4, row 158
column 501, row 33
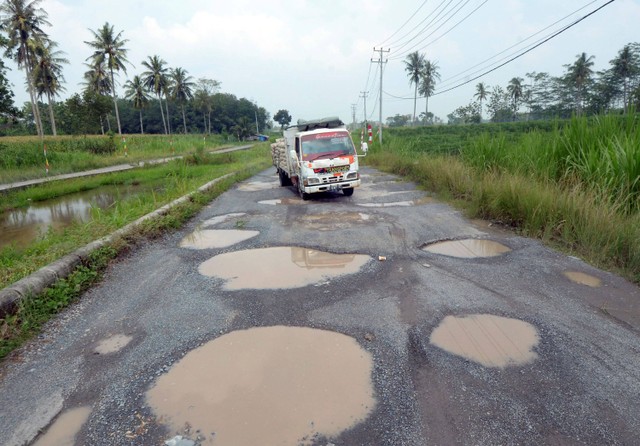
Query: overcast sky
column 313, row 57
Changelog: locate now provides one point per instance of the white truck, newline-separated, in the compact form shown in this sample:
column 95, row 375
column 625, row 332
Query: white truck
column 317, row 156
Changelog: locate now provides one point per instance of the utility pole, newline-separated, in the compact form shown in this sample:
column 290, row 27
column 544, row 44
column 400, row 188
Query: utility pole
column 363, row 94
column 353, row 115
column 381, row 61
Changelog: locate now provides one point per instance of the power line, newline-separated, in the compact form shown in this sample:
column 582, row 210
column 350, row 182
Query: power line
column 528, row 50
column 403, row 25
column 443, row 34
column 425, row 27
column 452, row 78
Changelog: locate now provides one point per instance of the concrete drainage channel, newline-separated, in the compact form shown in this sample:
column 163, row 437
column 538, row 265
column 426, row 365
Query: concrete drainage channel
column 46, row 276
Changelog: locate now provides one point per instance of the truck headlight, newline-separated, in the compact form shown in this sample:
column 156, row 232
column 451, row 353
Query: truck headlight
column 313, row 181
column 352, row 176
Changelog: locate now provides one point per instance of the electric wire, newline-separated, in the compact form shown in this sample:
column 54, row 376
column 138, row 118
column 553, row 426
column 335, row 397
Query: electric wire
column 433, row 21
column 404, row 24
column 400, row 39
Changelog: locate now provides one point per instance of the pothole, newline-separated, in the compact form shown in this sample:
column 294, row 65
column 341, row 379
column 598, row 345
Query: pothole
column 63, row 431
column 222, row 218
column 280, row 267
column 583, row 279
column 393, row 204
column 333, row 221
column 112, row 344
column 268, row 385
column 489, row 340
column 255, row 186
column 283, row 201
column 468, row 248
column 216, row 238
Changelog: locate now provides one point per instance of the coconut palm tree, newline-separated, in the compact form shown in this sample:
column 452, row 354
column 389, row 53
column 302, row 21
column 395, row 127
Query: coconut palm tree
column 23, row 20
column 155, row 80
column 481, row 95
column 182, row 90
column 624, row 66
column 137, row 94
column 413, row 65
column 47, row 75
column 578, row 75
column 428, row 79
column 515, row 92
column 98, row 82
column 109, row 47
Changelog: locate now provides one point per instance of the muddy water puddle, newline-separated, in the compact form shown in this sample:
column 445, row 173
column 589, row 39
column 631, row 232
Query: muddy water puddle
column 216, row 238
column 22, row 226
column 222, row 218
column 283, row 201
column 266, row 386
column 334, row 220
column 112, row 344
column 63, row 431
column 583, row 279
column 468, row 248
column 255, row 186
column 489, row 340
column 280, row 267
column 407, row 203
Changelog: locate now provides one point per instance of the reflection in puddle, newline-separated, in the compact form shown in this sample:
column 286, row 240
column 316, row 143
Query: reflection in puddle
column 467, row 249
column 216, row 238
column 266, row 386
column 63, row 431
column 255, row 186
column 222, row 218
column 113, row 344
column 279, row 267
column 387, row 205
column 333, row 221
column 283, row 201
column 489, row 340
column 583, row 279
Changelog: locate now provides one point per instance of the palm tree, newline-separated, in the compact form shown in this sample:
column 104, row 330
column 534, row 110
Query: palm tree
column 428, row 79
column 22, row 20
column 137, row 94
column 155, row 80
column 413, row 65
column 515, row 91
column 98, row 82
column 624, row 67
column 481, row 95
column 578, row 74
column 110, row 47
column 182, row 90
column 47, row 75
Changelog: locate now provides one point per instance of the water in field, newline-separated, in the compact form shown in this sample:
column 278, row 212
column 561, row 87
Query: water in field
column 23, row 226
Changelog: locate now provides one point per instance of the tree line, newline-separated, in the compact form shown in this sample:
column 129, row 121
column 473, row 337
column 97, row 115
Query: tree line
column 159, row 99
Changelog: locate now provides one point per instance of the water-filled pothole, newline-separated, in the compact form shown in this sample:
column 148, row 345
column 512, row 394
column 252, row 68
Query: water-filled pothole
column 279, row 267
column 489, row 340
column 112, row 344
column 63, row 431
column 283, row 201
column 583, row 279
column 333, row 221
column 468, row 248
column 222, row 218
column 255, row 186
column 268, row 385
column 216, row 238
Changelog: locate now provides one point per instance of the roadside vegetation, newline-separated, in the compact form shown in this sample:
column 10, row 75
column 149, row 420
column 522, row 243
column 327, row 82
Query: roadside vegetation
column 23, row 158
column 574, row 184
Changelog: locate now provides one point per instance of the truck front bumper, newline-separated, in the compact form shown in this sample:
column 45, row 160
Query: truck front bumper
column 332, row 187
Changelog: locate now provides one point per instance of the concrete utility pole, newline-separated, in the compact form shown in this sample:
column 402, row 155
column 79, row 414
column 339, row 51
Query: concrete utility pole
column 353, row 115
column 363, row 94
column 381, row 61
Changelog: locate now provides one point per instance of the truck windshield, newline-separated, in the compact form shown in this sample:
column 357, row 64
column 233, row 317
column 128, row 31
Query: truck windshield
column 323, row 145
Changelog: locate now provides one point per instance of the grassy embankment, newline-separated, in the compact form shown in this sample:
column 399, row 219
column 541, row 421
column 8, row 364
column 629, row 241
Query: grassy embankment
column 574, row 184
column 22, row 157
column 177, row 179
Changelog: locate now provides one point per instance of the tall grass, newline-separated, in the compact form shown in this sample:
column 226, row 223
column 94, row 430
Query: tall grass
column 575, row 185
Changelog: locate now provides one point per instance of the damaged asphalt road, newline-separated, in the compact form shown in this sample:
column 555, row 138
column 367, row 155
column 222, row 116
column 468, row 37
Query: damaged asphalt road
column 339, row 320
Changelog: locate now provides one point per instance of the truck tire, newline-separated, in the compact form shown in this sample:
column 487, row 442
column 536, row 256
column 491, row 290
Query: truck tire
column 305, row 196
column 284, row 179
column 348, row 191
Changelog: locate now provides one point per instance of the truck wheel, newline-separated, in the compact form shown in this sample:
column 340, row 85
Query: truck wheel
column 305, row 196
column 348, row 191
column 283, row 178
